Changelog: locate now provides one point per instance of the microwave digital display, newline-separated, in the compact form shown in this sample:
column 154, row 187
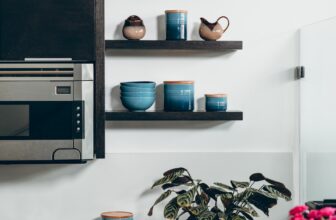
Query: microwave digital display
column 14, row 120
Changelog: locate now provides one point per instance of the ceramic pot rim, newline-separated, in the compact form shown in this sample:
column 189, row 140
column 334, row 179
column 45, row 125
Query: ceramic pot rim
column 117, row 214
column 179, row 82
column 216, row 95
column 176, row 11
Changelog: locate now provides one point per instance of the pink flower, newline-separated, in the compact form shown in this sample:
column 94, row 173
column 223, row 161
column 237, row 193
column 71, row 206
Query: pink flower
column 314, row 214
column 298, row 210
column 332, row 218
column 297, row 217
column 327, row 212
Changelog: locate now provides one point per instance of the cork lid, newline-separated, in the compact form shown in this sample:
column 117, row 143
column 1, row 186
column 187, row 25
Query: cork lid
column 216, row 95
column 117, row 214
column 176, row 11
column 179, row 82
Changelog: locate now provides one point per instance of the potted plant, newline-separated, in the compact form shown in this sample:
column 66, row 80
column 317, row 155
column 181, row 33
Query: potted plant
column 237, row 201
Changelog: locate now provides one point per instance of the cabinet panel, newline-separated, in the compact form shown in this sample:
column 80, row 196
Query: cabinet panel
column 47, row 28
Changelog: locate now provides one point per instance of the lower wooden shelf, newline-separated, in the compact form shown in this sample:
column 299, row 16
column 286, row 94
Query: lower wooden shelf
column 174, row 116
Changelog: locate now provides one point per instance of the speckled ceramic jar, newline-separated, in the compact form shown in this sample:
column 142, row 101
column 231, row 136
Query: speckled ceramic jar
column 117, row 215
column 179, row 96
column 216, row 102
column 134, row 29
column 176, row 25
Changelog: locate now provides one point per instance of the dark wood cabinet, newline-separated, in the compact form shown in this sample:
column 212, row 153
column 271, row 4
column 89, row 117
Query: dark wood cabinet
column 47, row 29
column 58, row 29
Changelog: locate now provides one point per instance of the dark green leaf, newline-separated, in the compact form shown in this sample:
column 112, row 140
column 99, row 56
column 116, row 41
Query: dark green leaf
column 216, row 210
column 262, row 201
column 167, row 179
column 246, row 215
column 273, row 182
column 171, row 209
column 237, row 184
column 252, row 211
column 198, row 210
column 180, row 192
column 256, row 177
column 160, row 199
column 179, row 170
column 224, row 186
column 182, row 180
column 227, row 200
column 207, row 215
column 168, row 185
column 279, row 192
column 238, row 217
column 202, row 199
column 204, row 186
column 185, row 199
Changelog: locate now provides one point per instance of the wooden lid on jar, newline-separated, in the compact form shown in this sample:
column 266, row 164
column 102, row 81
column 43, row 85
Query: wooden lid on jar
column 176, row 11
column 216, row 95
column 179, row 82
column 117, row 214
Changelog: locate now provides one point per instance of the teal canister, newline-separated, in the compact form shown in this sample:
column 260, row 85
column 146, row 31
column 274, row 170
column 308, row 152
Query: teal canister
column 117, row 215
column 176, row 24
column 215, row 102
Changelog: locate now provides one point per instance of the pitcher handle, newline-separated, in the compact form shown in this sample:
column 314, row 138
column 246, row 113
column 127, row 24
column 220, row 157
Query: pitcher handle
column 228, row 22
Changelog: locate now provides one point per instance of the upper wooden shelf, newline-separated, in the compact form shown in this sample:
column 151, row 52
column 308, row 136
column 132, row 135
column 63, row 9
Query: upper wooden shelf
column 173, row 45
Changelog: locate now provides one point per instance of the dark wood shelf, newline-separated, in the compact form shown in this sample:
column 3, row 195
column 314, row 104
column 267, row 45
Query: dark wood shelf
column 173, row 45
column 174, row 116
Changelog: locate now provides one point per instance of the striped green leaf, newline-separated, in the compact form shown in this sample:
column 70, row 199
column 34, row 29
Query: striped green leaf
column 171, row 209
column 158, row 200
column 184, row 200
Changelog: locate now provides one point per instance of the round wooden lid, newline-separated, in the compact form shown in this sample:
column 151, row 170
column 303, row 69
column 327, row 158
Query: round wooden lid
column 215, row 95
column 117, row 214
column 179, row 82
column 176, row 11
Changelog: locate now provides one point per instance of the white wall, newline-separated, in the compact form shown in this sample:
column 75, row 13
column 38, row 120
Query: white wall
column 258, row 79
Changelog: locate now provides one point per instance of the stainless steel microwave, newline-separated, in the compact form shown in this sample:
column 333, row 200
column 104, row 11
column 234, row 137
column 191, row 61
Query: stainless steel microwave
column 46, row 112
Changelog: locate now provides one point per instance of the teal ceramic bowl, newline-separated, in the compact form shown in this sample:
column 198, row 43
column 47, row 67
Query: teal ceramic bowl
column 135, row 89
column 138, row 94
column 139, row 84
column 137, row 104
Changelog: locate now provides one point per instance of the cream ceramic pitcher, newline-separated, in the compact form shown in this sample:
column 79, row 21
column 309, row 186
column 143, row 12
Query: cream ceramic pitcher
column 212, row 31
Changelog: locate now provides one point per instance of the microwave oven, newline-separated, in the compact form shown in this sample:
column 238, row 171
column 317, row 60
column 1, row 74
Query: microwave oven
column 46, row 112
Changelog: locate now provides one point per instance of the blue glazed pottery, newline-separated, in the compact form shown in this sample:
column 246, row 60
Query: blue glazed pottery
column 117, row 215
column 179, row 95
column 137, row 104
column 139, row 84
column 137, row 94
column 136, row 89
column 216, row 102
column 176, row 25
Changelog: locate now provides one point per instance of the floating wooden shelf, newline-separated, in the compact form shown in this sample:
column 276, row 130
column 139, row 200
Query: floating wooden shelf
column 174, row 116
column 173, row 45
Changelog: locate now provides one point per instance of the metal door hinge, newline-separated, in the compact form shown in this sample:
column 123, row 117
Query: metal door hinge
column 300, row 72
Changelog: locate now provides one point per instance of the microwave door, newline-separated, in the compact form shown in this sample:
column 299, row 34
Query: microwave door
column 14, row 121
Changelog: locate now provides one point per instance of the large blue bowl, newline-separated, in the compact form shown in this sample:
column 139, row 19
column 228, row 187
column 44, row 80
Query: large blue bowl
column 137, row 104
column 139, row 84
column 136, row 89
column 138, row 94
